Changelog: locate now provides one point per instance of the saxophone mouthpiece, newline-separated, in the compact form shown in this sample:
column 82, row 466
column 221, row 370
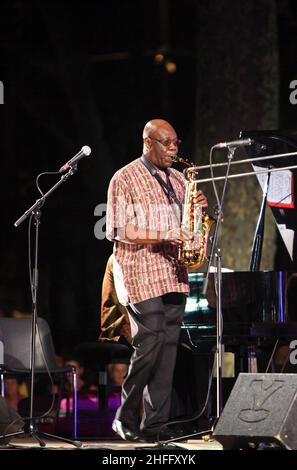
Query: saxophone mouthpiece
column 185, row 161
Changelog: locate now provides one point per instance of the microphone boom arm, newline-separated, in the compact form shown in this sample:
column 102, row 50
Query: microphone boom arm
column 239, row 175
column 177, row 158
column 39, row 202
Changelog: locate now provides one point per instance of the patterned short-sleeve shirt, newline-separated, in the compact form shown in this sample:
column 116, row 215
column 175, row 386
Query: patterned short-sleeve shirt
column 135, row 197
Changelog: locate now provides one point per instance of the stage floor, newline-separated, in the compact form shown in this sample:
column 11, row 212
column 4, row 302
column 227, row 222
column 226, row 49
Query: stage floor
column 23, row 443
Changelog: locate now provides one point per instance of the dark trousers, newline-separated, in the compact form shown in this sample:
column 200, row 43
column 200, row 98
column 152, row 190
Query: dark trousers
column 155, row 325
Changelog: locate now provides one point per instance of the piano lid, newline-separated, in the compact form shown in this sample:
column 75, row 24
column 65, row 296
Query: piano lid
column 271, row 143
column 282, row 193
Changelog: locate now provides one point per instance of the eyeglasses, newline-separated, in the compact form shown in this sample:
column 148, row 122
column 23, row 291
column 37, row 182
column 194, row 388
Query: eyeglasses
column 168, row 142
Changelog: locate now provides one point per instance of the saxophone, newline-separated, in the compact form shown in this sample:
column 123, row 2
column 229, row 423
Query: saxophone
column 192, row 253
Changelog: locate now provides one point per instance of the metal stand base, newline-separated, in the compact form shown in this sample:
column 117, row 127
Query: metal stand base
column 31, row 431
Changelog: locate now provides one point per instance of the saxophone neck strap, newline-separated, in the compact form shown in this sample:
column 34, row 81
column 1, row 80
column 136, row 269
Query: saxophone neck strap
column 167, row 187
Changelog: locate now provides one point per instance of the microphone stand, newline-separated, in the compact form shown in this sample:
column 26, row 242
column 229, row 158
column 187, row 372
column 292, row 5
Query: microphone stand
column 35, row 210
column 215, row 252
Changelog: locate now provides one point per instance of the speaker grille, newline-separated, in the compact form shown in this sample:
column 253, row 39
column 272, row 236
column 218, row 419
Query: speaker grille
column 261, row 409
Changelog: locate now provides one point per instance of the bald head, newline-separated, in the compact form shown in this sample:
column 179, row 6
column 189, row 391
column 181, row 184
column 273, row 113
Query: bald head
column 160, row 142
column 152, row 127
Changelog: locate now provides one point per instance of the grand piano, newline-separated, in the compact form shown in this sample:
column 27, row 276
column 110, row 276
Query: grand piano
column 259, row 308
column 254, row 301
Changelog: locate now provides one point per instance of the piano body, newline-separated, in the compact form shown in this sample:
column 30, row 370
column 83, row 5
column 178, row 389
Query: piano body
column 252, row 303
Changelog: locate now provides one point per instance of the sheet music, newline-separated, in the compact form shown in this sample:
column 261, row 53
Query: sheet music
column 280, row 195
column 280, row 192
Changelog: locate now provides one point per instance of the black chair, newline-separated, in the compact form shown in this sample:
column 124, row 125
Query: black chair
column 16, row 338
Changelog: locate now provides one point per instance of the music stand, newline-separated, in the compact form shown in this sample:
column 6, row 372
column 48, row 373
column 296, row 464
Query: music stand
column 35, row 211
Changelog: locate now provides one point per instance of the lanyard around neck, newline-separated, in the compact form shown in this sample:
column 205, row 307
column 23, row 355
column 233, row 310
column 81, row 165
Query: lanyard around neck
column 167, row 187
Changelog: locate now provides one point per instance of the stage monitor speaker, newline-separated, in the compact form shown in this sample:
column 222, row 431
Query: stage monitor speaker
column 261, row 411
column 10, row 421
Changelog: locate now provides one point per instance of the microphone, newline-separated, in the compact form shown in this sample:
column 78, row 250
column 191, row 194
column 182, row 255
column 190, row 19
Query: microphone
column 85, row 151
column 234, row 143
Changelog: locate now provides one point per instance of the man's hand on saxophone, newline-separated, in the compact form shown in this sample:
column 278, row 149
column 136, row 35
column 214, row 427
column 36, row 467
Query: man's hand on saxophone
column 200, row 198
column 178, row 235
column 183, row 234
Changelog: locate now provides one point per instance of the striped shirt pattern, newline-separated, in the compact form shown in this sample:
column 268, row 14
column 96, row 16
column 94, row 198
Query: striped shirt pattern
column 135, row 197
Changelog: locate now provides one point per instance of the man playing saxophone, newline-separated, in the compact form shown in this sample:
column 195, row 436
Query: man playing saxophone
column 144, row 221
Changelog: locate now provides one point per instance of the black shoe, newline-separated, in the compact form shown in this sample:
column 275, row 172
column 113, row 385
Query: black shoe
column 124, row 432
column 157, row 435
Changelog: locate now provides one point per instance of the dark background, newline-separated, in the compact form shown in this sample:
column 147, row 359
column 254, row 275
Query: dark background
column 85, row 73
